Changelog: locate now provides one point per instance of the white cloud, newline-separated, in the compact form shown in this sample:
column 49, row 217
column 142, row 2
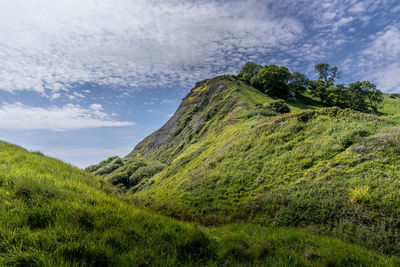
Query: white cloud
column 385, row 45
column 379, row 61
column 55, row 96
column 75, row 95
column 342, row 22
column 68, row 117
column 395, row 9
column 388, row 77
column 96, row 107
column 168, row 102
column 357, row 8
column 48, row 45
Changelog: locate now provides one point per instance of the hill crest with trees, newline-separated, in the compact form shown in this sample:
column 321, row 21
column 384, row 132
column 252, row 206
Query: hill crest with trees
column 278, row 81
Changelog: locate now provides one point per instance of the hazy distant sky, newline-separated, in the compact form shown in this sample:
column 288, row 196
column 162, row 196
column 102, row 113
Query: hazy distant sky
column 82, row 80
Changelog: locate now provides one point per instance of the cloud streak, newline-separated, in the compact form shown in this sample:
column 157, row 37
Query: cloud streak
column 69, row 117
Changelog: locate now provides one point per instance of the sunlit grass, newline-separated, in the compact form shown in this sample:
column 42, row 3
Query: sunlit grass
column 53, row 214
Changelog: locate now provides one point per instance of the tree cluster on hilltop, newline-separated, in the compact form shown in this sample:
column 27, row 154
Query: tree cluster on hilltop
column 280, row 82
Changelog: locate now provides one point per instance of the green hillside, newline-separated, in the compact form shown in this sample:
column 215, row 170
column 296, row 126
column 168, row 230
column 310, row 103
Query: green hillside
column 53, row 214
column 227, row 157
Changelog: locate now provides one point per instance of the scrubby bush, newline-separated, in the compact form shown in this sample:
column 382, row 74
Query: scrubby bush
column 94, row 168
column 278, row 106
column 287, row 216
column 394, row 95
column 134, row 172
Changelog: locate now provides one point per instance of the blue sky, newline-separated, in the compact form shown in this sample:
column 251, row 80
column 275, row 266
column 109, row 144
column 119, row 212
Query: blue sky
column 82, row 80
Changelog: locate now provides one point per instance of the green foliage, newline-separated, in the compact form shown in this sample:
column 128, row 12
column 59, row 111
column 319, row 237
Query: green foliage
column 249, row 70
column 106, row 166
column 360, row 95
column 293, row 169
column 320, row 90
column 394, row 95
column 327, row 74
column 339, row 96
column 272, row 80
column 374, row 96
column 298, row 82
column 53, row 214
column 227, row 159
column 278, row 106
column 358, row 101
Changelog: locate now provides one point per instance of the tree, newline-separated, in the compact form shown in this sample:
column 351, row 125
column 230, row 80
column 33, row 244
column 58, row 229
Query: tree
column 324, row 87
column 373, row 95
column 358, row 96
column 319, row 89
column 298, row 82
column 249, row 70
column 338, row 96
column 272, row 80
column 327, row 74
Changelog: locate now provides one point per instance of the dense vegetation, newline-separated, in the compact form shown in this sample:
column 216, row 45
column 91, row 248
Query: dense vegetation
column 264, row 169
column 278, row 81
column 53, row 214
column 235, row 153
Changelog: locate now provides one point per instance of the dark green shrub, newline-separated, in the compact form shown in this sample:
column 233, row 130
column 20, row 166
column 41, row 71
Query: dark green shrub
column 287, row 217
column 278, row 106
column 103, row 163
column 349, row 138
column 305, row 116
column 145, row 172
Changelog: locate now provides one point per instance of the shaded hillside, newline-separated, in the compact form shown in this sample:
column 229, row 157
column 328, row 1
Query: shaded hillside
column 227, row 157
column 53, row 214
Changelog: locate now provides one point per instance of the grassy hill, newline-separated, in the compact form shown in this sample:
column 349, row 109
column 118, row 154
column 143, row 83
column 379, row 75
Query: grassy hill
column 53, row 214
column 225, row 157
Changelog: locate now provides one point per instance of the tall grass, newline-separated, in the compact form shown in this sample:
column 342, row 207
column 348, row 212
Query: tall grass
column 52, row 214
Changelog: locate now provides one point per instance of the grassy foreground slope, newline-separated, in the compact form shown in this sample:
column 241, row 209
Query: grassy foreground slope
column 225, row 157
column 52, row 214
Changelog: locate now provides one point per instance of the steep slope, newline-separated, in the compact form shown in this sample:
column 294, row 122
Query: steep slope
column 210, row 107
column 224, row 158
column 53, row 214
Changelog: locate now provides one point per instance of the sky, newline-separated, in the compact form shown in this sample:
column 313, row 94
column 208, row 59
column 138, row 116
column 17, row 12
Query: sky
column 82, row 80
